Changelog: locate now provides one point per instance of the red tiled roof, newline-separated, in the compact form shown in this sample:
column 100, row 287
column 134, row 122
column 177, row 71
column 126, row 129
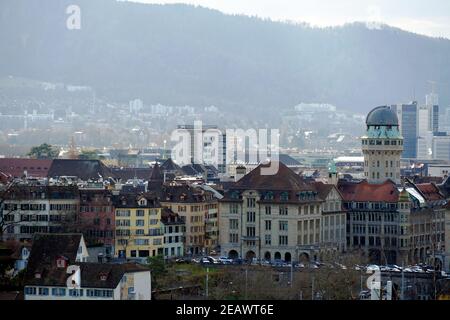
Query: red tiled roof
column 364, row 191
column 430, row 191
column 15, row 167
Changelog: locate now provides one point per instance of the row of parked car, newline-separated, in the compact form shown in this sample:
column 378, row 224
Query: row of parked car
column 210, row 260
column 418, row 268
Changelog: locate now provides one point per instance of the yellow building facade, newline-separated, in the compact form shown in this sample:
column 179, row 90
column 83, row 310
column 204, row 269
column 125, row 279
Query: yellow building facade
column 139, row 231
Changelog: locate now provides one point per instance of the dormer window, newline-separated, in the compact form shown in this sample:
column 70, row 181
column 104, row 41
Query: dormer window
column 269, row 196
column 235, row 195
column 61, row 262
column 103, row 276
column 284, row 196
column 37, row 275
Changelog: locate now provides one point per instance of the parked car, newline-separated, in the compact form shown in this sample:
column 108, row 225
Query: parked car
column 277, row 263
column 238, row 261
column 266, row 263
column 394, row 268
column 212, row 260
column 417, row 269
column 225, row 260
column 372, row 268
column 181, row 260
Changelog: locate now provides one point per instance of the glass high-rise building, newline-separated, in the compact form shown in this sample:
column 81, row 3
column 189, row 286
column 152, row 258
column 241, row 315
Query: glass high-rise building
column 408, row 120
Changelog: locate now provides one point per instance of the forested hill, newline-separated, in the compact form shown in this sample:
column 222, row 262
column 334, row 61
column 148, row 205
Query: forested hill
column 179, row 54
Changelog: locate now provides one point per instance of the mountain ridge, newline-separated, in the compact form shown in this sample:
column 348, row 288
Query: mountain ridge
column 182, row 54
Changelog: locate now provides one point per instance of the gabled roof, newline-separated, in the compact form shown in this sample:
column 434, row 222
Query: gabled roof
column 130, row 200
column 324, row 189
column 185, row 194
column 284, row 179
column 170, row 166
column 366, row 192
column 91, row 274
column 83, row 169
column 45, row 250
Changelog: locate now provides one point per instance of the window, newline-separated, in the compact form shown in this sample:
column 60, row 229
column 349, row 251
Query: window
column 283, row 225
column 268, row 239
column 75, row 292
column 123, row 223
column 283, row 240
column 268, row 210
column 283, row 210
column 268, row 225
column 141, row 242
column 251, row 231
column 43, row 291
column 251, row 217
column 234, row 238
column 140, row 213
column 234, row 208
column 59, row 292
column 251, row 202
column 30, row 290
column 234, row 224
column 140, row 223
column 123, row 213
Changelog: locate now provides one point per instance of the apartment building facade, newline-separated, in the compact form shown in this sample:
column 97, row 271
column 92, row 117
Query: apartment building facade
column 34, row 208
column 199, row 209
column 277, row 217
column 139, row 231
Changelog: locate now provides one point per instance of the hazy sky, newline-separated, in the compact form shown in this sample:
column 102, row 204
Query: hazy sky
column 429, row 17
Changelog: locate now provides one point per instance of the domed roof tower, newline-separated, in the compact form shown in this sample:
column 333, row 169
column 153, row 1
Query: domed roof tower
column 382, row 116
column 382, row 146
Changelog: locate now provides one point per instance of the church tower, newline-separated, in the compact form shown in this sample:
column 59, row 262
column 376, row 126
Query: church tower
column 333, row 176
column 382, row 146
